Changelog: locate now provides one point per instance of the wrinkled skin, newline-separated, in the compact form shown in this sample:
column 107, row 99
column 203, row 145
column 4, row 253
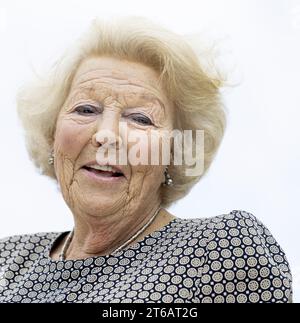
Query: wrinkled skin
column 107, row 215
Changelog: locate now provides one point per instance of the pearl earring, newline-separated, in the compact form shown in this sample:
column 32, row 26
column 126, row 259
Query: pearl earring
column 168, row 179
column 51, row 158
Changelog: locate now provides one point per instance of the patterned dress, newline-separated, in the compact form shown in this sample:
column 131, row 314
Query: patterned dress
column 224, row 259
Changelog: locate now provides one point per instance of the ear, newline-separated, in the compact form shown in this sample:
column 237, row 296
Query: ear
column 163, row 177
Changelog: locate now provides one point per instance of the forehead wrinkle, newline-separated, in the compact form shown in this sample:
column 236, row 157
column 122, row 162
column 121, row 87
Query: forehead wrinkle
column 126, row 82
column 112, row 73
column 117, row 75
column 144, row 94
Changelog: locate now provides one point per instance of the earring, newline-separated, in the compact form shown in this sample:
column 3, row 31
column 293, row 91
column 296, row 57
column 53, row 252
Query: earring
column 168, row 179
column 51, row 158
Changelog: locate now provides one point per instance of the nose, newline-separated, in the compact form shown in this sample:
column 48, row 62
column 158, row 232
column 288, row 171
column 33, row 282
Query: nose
column 107, row 131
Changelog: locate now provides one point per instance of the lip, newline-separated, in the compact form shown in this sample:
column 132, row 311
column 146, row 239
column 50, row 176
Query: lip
column 115, row 167
column 101, row 179
column 98, row 177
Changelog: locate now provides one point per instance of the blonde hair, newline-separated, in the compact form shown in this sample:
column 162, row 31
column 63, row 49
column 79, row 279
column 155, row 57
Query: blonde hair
column 192, row 87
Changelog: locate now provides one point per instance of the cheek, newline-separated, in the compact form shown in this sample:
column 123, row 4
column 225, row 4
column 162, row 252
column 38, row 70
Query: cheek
column 149, row 174
column 70, row 137
column 145, row 147
column 145, row 181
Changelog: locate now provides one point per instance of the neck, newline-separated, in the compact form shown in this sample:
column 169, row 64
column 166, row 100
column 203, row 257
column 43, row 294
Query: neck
column 101, row 235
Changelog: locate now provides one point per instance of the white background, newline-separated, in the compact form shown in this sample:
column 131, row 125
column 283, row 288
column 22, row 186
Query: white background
column 257, row 166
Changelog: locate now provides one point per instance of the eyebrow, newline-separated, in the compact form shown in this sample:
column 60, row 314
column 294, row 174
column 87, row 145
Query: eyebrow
column 151, row 97
column 145, row 95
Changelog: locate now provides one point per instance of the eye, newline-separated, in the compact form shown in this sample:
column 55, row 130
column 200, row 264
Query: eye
column 86, row 109
column 141, row 119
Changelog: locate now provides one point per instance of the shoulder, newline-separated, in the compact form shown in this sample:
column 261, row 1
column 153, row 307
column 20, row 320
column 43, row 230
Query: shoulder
column 28, row 238
column 237, row 223
column 24, row 244
column 244, row 262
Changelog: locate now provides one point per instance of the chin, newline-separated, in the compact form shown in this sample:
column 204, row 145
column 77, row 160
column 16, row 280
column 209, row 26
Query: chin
column 99, row 204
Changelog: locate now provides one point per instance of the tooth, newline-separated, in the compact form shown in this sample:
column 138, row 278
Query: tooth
column 104, row 168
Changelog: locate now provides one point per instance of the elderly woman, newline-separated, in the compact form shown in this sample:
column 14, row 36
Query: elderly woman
column 132, row 76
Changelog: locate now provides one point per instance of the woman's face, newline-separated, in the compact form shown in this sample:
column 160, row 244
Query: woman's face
column 113, row 99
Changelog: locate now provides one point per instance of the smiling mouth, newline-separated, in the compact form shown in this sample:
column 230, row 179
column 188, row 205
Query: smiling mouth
column 103, row 173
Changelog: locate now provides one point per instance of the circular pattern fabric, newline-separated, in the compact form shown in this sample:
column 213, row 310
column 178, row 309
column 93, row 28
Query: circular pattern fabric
column 230, row 258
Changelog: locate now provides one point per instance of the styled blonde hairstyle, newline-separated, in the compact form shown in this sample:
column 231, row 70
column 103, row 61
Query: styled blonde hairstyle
column 192, row 85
